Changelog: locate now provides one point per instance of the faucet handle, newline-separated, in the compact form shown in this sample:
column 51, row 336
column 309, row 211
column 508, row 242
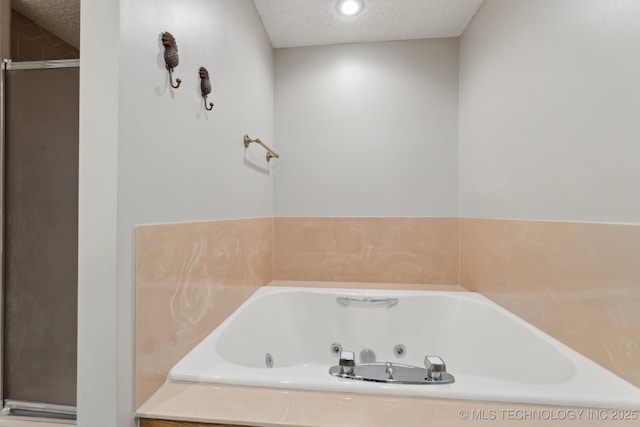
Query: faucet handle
column 347, row 359
column 435, row 367
column 347, row 362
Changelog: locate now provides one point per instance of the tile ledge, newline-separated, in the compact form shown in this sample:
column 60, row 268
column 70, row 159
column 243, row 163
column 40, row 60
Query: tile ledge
column 268, row 407
column 368, row 285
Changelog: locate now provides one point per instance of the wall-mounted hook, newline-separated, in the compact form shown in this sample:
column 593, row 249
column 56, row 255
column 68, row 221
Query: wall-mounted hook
column 205, row 86
column 171, row 58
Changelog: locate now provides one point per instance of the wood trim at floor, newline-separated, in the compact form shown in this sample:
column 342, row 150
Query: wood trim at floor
column 147, row 422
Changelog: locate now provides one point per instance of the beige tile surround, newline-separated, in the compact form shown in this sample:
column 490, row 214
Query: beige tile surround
column 388, row 250
column 189, row 278
column 579, row 282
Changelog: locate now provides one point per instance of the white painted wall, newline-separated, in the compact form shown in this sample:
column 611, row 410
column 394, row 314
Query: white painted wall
column 178, row 162
column 549, row 108
column 367, row 129
column 99, row 402
column 152, row 154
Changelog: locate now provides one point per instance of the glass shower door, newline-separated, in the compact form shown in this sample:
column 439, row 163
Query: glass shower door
column 40, row 251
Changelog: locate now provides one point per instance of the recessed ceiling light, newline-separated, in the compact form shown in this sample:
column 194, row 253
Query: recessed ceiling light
column 350, row 7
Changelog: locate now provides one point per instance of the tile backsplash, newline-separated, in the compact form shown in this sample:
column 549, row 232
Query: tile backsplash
column 390, row 250
column 189, row 278
column 579, row 282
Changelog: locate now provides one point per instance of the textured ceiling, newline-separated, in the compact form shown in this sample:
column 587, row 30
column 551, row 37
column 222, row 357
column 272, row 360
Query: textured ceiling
column 291, row 23
column 61, row 17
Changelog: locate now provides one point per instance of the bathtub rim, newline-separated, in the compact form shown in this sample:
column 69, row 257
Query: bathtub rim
column 471, row 295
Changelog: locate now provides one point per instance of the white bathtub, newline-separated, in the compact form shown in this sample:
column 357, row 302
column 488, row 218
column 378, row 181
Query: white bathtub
column 493, row 354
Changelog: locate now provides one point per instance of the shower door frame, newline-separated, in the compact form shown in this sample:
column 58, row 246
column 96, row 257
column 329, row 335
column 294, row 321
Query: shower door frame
column 24, row 410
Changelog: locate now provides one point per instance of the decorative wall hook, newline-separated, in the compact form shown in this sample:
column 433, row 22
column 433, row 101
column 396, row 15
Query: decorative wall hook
column 205, row 86
column 171, row 58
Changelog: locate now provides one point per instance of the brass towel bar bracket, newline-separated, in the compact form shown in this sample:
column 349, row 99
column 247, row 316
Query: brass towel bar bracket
column 270, row 152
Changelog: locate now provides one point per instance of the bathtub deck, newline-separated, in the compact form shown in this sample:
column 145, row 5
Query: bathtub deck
column 254, row 406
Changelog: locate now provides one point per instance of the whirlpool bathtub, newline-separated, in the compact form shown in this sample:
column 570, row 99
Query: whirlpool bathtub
column 290, row 337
